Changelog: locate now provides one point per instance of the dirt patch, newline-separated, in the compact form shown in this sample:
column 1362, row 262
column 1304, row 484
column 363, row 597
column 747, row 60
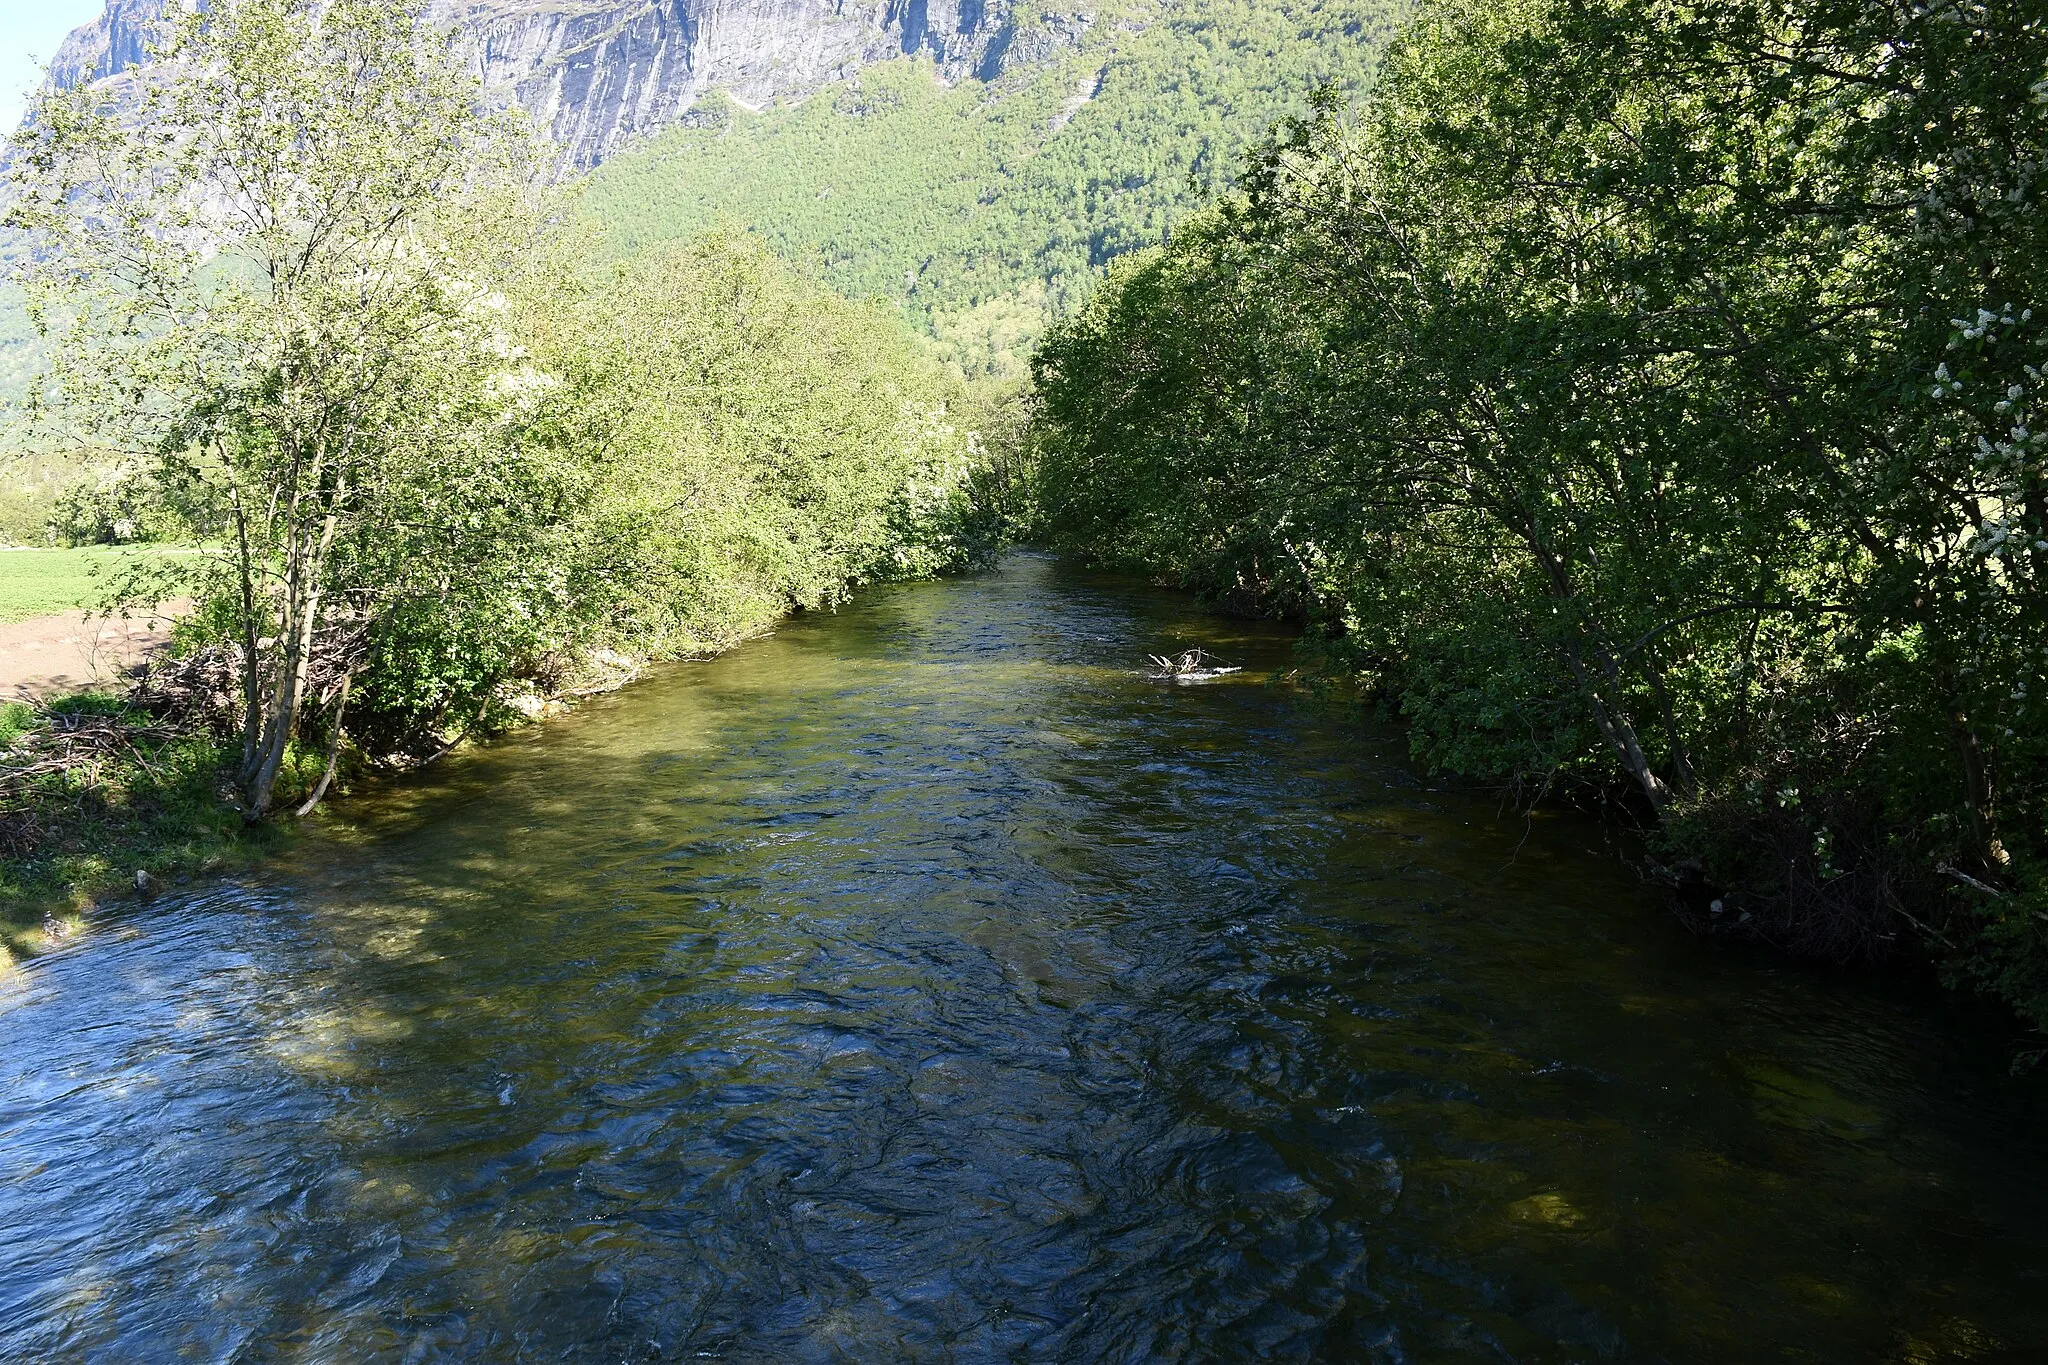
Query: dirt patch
column 48, row 655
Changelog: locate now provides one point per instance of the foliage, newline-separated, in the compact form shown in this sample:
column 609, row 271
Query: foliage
column 771, row 446
column 21, row 358
column 309, row 297
column 984, row 207
column 748, row 445
column 1641, row 392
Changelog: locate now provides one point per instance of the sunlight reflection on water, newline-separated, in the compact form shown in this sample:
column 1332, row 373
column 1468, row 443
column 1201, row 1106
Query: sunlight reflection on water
column 924, row 983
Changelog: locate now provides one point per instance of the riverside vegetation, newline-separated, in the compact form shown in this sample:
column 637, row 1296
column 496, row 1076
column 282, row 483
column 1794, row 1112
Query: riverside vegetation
column 1639, row 397
column 318, row 307
column 1646, row 398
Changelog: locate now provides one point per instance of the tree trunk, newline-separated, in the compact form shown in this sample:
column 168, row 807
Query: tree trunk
column 252, row 681
column 333, row 747
column 1608, row 716
column 1621, row 735
column 1977, row 794
column 301, row 621
column 284, row 705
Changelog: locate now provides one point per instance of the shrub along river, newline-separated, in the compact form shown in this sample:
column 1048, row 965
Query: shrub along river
column 923, row 983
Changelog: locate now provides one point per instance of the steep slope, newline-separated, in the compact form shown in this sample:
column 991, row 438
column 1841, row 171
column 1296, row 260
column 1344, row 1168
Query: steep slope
column 596, row 74
column 974, row 161
column 982, row 206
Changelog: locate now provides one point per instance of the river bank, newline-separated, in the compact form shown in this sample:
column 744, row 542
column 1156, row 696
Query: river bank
column 100, row 798
column 121, row 788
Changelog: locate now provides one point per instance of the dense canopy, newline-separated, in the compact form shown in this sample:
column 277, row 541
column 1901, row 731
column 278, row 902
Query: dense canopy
column 1643, row 396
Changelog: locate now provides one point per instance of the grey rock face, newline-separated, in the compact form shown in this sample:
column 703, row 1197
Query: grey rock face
column 112, row 43
column 599, row 73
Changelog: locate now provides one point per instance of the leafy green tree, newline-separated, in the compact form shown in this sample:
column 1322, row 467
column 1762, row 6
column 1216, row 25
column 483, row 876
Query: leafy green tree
column 278, row 273
column 769, row 446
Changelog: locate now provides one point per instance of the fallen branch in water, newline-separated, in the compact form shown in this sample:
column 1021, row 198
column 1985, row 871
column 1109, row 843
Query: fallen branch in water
column 1196, row 663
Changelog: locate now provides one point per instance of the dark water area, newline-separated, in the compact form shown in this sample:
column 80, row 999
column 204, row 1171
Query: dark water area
column 924, row 984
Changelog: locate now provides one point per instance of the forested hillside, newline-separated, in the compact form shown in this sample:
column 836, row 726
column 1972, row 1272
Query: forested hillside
column 1646, row 399
column 983, row 208
column 18, row 346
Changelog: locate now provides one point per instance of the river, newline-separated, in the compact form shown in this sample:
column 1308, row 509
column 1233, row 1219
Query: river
column 923, row 983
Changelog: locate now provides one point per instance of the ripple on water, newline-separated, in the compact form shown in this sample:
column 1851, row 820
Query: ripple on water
column 921, row 983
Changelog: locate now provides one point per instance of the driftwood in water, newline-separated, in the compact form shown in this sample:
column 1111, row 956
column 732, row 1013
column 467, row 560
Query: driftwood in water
column 1192, row 666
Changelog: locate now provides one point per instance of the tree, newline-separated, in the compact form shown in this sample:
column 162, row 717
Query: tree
column 278, row 259
column 1644, row 390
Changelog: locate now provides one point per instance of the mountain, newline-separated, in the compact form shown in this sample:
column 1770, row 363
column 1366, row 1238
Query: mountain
column 599, row 73
column 985, row 204
column 976, row 162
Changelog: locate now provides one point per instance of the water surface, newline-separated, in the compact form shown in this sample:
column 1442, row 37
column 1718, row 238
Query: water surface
column 921, row 983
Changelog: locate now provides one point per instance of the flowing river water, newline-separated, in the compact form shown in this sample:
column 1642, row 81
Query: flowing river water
column 923, row 983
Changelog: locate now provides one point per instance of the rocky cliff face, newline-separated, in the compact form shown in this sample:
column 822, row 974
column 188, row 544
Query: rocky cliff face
column 111, row 43
column 600, row 73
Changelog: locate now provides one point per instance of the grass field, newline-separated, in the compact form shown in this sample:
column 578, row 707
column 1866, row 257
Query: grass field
column 39, row 582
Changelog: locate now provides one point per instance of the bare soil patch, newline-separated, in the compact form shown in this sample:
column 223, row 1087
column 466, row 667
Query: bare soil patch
column 46, row 656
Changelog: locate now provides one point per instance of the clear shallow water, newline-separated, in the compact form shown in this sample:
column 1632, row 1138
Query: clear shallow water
column 922, row 984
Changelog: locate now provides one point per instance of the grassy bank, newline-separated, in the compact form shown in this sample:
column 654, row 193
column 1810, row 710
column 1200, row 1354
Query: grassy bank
column 94, row 789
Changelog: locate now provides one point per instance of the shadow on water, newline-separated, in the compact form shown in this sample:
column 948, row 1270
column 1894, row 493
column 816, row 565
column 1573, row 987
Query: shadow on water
column 922, row 983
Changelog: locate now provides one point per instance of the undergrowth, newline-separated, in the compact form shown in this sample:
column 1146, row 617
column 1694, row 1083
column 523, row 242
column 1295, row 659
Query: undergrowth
column 93, row 790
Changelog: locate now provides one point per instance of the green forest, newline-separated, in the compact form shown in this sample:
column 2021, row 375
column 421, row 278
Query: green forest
column 985, row 208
